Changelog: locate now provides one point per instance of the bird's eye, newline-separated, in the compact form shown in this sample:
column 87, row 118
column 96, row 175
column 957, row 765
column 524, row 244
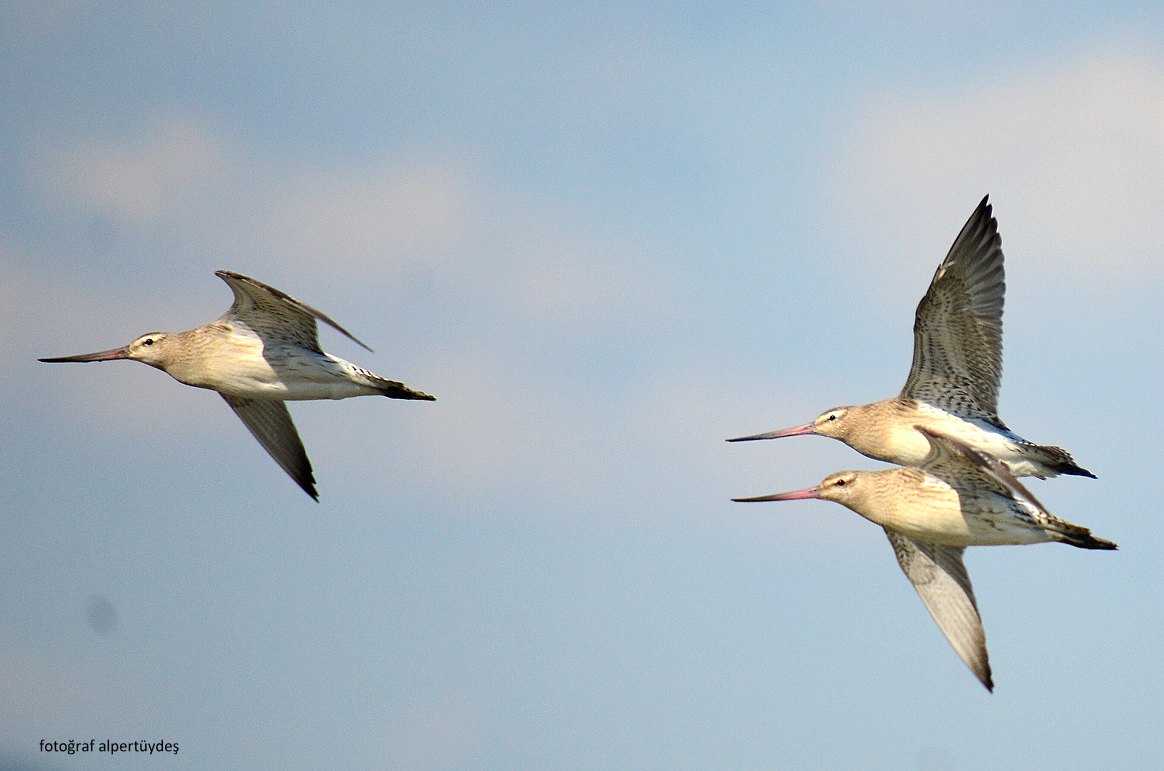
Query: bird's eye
column 148, row 341
column 840, row 483
column 833, row 416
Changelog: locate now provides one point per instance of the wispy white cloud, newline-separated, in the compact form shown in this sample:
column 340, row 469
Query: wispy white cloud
column 1072, row 151
column 386, row 214
column 178, row 181
column 496, row 428
column 142, row 179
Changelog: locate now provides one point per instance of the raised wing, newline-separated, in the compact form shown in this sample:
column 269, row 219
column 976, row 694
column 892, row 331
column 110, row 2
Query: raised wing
column 269, row 312
column 270, row 422
column 939, row 576
column 957, row 331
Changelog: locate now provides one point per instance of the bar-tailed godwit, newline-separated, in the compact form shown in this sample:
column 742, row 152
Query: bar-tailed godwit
column 959, row 496
column 262, row 352
column 957, row 367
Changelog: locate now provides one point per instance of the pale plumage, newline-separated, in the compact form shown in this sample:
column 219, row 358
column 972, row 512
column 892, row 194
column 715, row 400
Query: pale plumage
column 957, row 368
column 958, row 496
column 262, row 352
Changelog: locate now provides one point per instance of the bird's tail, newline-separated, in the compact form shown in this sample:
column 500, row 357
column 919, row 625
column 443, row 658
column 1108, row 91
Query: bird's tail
column 1079, row 536
column 1060, row 461
column 390, row 388
column 395, row 390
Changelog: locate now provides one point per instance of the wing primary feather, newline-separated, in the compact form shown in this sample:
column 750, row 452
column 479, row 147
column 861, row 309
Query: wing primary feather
column 957, row 358
column 270, row 423
column 269, row 310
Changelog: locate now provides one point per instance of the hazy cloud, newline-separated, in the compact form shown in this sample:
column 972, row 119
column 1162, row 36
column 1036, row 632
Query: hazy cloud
column 176, row 181
column 1072, row 151
column 142, row 179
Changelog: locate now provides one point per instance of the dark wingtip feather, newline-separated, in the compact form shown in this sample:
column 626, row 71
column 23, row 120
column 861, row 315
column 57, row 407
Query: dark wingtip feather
column 395, row 390
column 1099, row 543
column 986, row 677
column 307, row 484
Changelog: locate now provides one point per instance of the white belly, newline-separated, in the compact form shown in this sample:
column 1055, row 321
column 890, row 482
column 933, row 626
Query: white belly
column 241, row 367
column 912, row 447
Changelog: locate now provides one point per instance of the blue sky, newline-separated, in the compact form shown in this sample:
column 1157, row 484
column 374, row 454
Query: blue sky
column 606, row 239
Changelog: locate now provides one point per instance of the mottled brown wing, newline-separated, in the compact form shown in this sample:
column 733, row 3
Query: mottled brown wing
column 957, row 332
column 270, row 313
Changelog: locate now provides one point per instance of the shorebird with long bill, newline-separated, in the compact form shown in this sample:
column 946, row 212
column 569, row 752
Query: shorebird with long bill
column 264, row 351
column 958, row 496
column 953, row 384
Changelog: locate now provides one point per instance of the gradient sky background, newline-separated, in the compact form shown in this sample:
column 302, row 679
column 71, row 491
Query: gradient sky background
column 606, row 238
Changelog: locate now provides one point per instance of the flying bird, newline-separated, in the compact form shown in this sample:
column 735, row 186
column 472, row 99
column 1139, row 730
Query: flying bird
column 262, row 352
column 953, row 384
column 958, row 496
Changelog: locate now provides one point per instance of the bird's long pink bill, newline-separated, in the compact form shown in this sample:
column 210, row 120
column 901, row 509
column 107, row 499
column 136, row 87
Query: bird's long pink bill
column 795, row 495
column 807, row 428
column 110, row 355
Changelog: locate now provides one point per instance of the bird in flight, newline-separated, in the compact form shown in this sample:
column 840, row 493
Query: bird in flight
column 264, row 351
column 953, row 384
column 958, row 496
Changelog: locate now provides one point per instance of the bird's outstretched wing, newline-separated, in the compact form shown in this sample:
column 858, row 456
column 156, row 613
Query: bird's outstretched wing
column 269, row 312
column 270, row 422
column 957, row 331
column 939, row 576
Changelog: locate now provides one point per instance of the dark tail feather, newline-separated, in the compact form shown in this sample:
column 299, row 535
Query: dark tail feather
column 394, row 390
column 1062, row 462
column 1083, row 539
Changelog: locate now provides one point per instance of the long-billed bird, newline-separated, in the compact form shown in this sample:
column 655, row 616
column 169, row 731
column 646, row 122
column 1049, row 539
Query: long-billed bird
column 262, row 352
column 959, row 496
column 953, row 384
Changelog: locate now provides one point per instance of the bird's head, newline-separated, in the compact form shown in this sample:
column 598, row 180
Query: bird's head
column 152, row 348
